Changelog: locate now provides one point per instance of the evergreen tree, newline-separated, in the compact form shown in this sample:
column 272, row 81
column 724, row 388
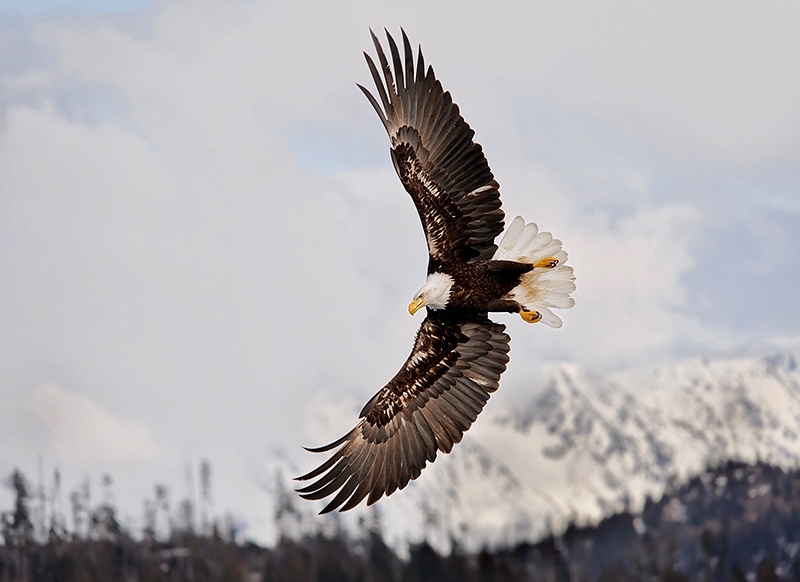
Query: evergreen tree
column 17, row 527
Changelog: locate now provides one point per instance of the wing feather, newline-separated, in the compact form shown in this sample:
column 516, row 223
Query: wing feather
column 400, row 462
column 331, row 486
column 342, row 496
column 373, row 69
column 378, row 479
column 387, row 71
column 443, row 437
column 409, row 68
column 357, row 497
column 435, row 156
column 429, row 404
column 320, row 470
column 428, row 438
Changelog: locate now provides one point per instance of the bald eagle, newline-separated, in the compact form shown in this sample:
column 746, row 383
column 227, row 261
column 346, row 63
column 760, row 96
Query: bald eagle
column 459, row 353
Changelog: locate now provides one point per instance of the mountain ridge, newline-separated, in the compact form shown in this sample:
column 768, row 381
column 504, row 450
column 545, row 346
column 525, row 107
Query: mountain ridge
column 591, row 445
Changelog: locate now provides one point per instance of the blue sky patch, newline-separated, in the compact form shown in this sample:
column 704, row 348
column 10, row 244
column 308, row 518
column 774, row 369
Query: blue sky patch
column 44, row 8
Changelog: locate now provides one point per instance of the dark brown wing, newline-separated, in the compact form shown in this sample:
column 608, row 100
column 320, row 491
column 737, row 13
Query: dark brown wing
column 445, row 172
column 437, row 394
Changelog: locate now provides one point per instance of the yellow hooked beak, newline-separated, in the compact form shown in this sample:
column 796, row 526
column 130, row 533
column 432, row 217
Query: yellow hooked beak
column 415, row 305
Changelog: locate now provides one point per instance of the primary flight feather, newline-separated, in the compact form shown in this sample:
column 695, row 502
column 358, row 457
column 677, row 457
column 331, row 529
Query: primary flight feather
column 459, row 353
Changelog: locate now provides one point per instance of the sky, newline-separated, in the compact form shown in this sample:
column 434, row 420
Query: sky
column 204, row 248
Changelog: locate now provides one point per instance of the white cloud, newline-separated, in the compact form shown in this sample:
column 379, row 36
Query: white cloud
column 83, row 431
column 630, row 288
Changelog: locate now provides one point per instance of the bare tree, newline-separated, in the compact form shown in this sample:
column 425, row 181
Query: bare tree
column 205, row 496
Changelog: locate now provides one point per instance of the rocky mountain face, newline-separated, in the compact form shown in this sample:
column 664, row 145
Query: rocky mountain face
column 588, row 446
column 594, row 445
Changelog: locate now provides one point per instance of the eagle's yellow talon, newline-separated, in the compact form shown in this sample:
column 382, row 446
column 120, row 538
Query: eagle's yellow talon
column 530, row 316
column 548, row 263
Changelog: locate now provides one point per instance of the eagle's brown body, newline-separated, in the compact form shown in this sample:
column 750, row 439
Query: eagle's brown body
column 482, row 287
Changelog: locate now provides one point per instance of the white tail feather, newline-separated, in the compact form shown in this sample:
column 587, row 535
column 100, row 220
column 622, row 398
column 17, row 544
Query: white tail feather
column 541, row 288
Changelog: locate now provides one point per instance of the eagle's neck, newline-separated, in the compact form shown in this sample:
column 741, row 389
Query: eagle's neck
column 437, row 290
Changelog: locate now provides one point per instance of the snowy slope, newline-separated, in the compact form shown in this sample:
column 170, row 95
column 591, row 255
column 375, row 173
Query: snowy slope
column 599, row 444
column 587, row 446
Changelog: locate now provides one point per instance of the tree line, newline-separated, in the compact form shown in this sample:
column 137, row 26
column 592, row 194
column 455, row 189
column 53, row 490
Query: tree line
column 734, row 522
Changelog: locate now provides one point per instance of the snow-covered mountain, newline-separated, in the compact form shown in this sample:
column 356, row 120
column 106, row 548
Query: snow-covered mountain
column 590, row 445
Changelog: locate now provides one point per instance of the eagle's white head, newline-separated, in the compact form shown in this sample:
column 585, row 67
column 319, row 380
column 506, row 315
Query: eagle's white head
column 434, row 293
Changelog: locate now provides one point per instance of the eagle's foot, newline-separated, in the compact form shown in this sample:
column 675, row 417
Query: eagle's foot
column 548, row 263
column 531, row 316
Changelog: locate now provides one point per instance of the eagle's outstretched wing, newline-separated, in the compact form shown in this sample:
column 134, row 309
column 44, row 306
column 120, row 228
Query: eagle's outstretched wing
column 437, row 394
column 445, row 172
